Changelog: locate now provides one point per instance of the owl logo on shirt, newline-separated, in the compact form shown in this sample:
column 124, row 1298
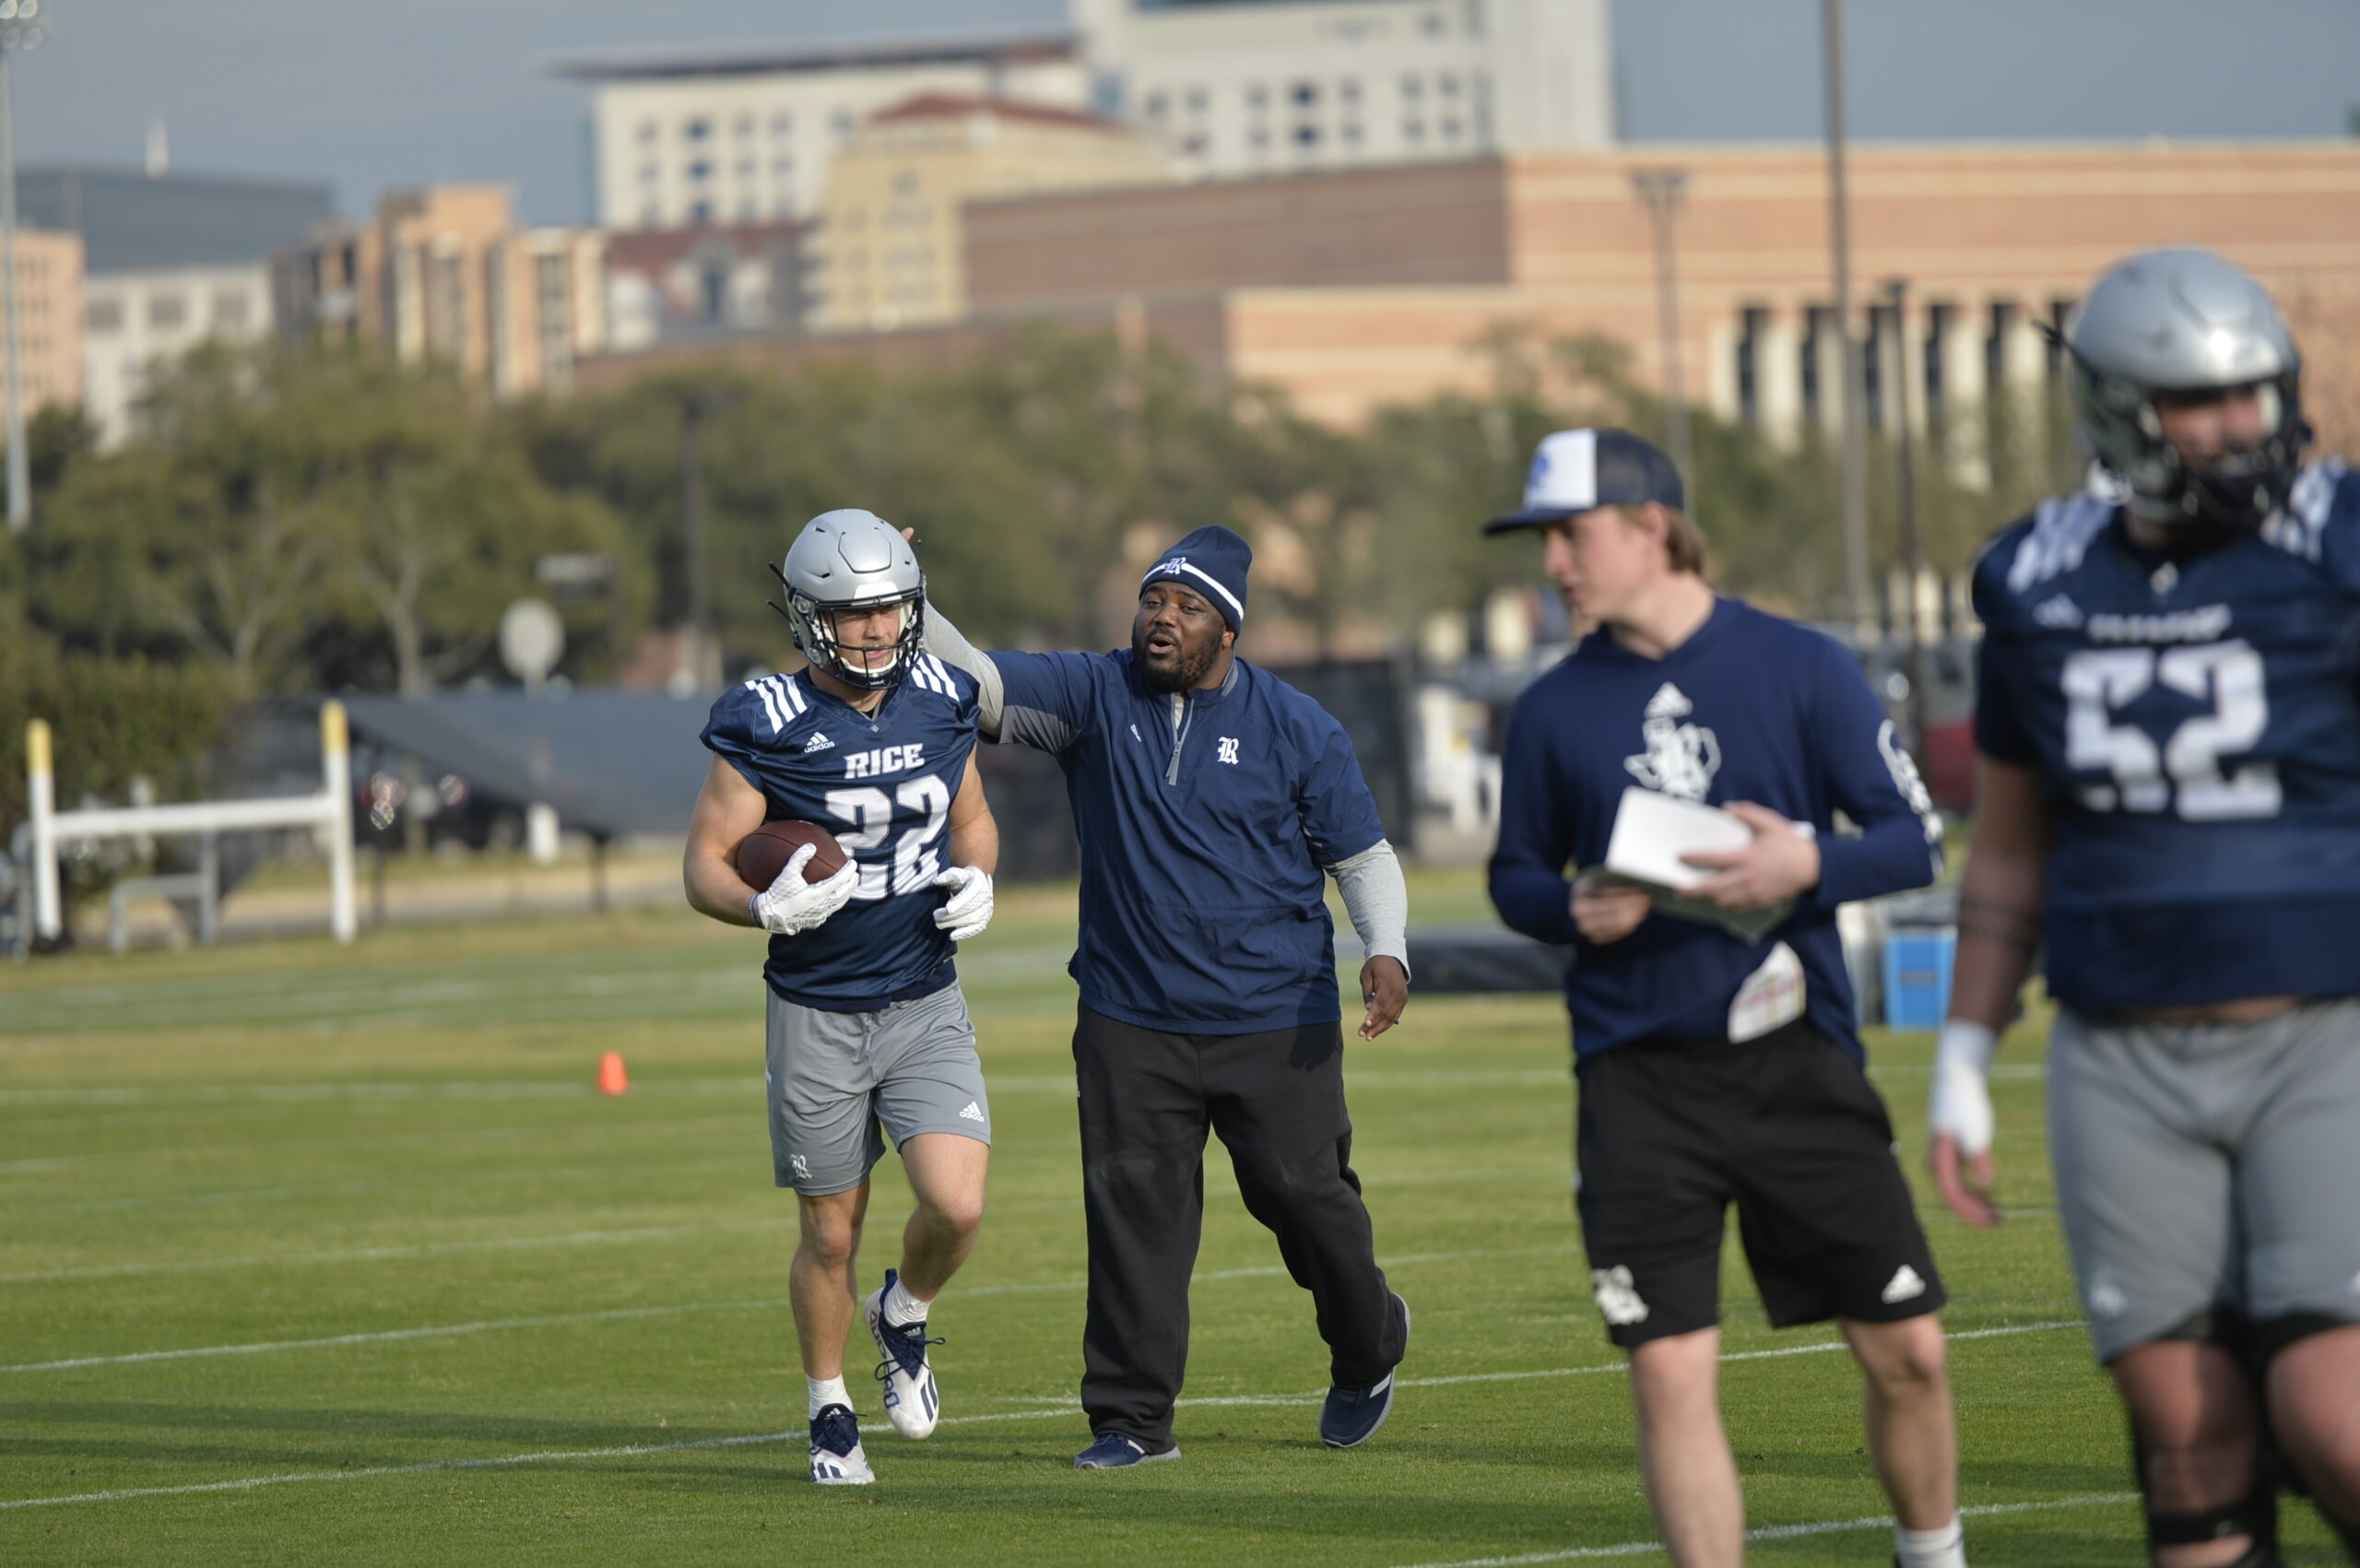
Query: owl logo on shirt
column 1681, row 757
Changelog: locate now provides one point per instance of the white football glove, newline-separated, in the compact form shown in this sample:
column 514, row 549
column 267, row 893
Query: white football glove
column 969, row 908
column 791, row 904
column 1961, row 1097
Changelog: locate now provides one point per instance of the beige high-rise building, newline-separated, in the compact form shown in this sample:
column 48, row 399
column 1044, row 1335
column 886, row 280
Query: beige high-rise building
column 444, row 271
column 893, row 238
column 49, row 318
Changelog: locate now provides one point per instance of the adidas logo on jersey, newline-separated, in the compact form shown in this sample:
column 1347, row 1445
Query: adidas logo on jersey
column 1906, row 1284
column 818, row 742
column 1669, row 703
column 2059, row 614
column 974, row 1112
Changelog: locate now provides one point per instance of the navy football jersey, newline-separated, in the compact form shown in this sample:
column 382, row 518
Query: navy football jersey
column 884, row 782
column 2194, row 720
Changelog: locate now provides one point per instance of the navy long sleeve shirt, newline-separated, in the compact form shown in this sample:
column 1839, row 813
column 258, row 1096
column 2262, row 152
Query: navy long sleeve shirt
column 1749, row 708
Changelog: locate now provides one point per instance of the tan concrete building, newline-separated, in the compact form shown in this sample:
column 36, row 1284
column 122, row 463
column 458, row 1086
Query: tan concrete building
column 444, row 272
column 49, row 318
column 893, row 239
column 1352, row 289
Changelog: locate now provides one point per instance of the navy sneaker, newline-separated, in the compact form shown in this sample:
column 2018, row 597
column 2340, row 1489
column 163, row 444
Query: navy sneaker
column 910, row 1402
column 1112, row 1451
column 836, row 1458
column 1352, row 1416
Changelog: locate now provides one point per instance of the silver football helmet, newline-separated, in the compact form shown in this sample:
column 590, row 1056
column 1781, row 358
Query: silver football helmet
column 850, row 560
column 2183, row 321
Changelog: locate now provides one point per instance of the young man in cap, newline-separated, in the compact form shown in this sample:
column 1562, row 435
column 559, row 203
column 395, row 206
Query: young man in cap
column 1212, row 801
column 1716, row 1056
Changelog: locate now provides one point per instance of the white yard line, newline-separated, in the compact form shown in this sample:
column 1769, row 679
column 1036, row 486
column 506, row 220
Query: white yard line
column 442, row 1331
column 1063, row 1411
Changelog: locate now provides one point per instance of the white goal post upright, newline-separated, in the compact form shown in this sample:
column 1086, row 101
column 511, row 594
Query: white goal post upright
column 329, row 812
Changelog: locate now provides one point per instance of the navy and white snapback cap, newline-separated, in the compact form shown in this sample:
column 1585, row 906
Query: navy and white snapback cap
column 1578, row 471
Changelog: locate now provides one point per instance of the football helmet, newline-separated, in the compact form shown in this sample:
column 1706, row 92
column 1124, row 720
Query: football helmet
column 2185, row 321
column 850, row 560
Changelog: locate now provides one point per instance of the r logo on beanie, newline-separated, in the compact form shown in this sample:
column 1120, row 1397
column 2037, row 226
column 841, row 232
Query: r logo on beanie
column 1212, row 561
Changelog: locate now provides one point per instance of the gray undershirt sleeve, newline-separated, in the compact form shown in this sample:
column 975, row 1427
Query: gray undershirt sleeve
column 947, row 642
column 1377, row 900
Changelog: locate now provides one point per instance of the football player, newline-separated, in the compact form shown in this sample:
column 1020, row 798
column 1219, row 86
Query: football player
column 866, row 1025
column 2169, row 798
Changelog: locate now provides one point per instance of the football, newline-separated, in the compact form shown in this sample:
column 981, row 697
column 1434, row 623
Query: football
column 761, row 855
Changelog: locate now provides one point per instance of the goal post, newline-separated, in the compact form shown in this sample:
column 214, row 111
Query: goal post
column 329, row 812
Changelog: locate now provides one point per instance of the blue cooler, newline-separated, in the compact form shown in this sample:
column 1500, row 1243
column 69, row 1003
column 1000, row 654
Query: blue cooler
column 1918, row 977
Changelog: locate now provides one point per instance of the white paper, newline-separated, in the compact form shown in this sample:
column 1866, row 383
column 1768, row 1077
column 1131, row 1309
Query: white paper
column 1652, row 830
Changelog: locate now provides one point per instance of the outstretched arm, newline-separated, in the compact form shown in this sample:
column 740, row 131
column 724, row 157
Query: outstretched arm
column 947, row 644
column 1379, row 902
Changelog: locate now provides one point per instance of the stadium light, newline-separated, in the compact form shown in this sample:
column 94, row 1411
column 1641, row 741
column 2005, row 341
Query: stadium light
column 22, row 26
column 1854, row 488
column 1661, row 191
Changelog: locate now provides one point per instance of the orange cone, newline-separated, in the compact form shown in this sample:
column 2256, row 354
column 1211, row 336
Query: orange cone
column 612, row 1080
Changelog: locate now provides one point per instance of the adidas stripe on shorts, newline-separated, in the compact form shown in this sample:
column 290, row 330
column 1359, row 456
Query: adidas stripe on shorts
column 840, row 1083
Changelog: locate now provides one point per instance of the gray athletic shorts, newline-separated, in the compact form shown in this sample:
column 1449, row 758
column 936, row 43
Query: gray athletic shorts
column 838, row 1082
column 2209, row 1168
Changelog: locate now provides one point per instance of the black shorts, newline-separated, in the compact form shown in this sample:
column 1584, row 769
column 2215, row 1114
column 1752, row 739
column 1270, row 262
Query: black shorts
column 1787, row 1129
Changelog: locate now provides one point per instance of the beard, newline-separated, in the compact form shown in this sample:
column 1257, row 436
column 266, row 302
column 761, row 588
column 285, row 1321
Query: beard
column 1178, row 670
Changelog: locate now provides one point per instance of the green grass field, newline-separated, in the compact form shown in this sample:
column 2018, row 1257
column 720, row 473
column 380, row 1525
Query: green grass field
column 322, row 1256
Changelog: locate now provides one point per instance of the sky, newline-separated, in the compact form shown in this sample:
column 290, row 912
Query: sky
column 371, row 96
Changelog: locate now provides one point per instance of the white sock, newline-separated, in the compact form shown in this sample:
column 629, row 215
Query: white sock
column 1945, row 1547
column 827, row 1391
column 901, row 1308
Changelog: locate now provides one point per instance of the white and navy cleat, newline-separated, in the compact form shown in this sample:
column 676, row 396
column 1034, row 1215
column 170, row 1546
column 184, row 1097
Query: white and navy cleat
column 910, row 1402
column 836, row 1458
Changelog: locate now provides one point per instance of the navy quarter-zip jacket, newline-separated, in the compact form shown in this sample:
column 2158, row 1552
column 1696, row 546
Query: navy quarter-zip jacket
column 1206, row 819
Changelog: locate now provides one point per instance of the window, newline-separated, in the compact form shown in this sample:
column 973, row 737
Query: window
column 1872, row 371
column 1350, row 132
column 699, row 169
column 699, row 212
column 1349, row 89
column 842, row 122
column 781, row 167
column 697, row 130
column 1197, row 101
column 1413, row 131
column 648, row 131
column 167, row 313
column 746, row 168
column 1937, row 327
column 1259, row 138
column 1434, row 24
column 1412, row 87
column 906, row 182
column 1818, row 325
column 104, row 315
column 1449, row 128
column 1306, row 95
column 1749, row 351
column 231, row 311
column 781, row 124
column 1157, row 106
column 745, row 126
column 1448, row 85
column 1257, row 97
column 1995, row 348
column 1306, row 136
column 647, row 174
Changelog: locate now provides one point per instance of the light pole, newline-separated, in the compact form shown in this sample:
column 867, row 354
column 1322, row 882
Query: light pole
column 1854, row 488
column 20, row 28
column 1662, row 191
column 1913, row 557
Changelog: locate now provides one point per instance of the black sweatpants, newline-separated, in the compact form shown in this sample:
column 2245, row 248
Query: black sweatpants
column 1276, row 1101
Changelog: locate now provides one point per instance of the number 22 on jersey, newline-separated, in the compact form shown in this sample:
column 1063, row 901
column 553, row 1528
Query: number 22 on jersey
column 917, row 862
column 2184, row 773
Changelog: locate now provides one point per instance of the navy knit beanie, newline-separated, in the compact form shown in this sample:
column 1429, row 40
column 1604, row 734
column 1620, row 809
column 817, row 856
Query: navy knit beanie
column 1213, row 562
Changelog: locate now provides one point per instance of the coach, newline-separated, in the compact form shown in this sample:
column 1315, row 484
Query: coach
column 1716, row 1054
column 1211, row 800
